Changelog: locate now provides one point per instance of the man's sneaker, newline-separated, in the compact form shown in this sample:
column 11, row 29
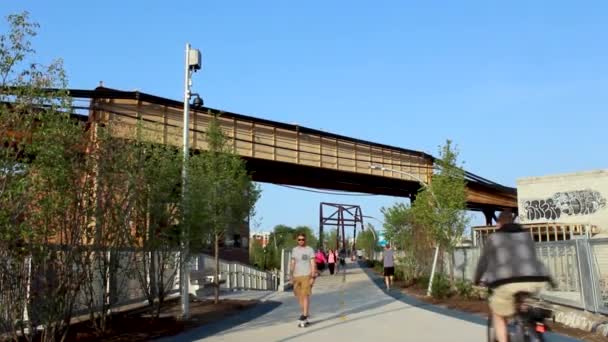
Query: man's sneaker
column 303, row 321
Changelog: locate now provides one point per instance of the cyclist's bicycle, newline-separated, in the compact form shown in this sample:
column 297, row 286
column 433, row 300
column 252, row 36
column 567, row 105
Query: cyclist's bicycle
column 527, row 325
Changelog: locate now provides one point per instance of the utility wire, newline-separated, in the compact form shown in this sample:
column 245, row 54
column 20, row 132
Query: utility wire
column 325, row 192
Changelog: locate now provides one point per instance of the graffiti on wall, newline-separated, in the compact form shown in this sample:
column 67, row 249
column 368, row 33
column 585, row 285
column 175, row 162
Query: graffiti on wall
column 568, row 203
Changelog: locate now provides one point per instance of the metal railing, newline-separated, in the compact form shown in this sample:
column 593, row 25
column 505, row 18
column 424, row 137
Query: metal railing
column 234, row 275
column 542, row 232
column 123, row 286
column 284, row 275
column 579, row 268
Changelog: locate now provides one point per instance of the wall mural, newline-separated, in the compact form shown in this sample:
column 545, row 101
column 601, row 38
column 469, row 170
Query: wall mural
column 569, row 203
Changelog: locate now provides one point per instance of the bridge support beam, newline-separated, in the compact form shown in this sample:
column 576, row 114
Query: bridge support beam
column 490, row 215
column 341, row 216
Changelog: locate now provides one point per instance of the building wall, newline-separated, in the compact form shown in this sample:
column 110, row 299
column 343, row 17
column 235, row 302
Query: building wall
column 567, row 198
column 262, row 237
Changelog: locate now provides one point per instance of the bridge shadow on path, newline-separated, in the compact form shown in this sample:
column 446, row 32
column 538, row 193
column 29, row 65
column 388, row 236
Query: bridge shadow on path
column 226, row 324
column 465, row 316
column 333, row 299
column 283, row 308
column 325, row 303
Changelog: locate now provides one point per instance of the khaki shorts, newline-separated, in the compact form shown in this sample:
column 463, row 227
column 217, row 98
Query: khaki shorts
column 502, row 301
column 302, row 286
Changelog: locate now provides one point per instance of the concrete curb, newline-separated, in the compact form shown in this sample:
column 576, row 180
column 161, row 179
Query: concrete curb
column 573, row 318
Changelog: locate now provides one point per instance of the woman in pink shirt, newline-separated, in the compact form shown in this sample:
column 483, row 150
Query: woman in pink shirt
column 320, row 260
column 331, row 261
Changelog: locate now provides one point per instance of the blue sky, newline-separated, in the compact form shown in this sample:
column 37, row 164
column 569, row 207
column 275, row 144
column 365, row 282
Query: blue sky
column 520, row 86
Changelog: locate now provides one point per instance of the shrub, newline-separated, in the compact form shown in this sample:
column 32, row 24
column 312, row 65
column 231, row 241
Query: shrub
column 378, row 266
column 423, row 282
column 464, row 288
column 399, row 273
column 441, row 287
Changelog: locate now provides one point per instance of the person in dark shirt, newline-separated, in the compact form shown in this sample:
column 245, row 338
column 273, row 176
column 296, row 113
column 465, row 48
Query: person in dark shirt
column 508, row 265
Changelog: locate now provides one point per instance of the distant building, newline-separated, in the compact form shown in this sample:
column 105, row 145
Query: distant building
column 561, row 207
column 263, row 237
column 575, row 199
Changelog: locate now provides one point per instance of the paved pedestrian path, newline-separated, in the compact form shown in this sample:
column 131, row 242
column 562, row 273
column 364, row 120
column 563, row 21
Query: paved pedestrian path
column 350, row 306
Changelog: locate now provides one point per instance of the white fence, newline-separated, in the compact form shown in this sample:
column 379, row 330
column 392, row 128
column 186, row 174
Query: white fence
column 284, row 275
column 127, row 275
column 235, row 276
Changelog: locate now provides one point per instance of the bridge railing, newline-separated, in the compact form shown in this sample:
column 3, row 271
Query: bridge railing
column 234, row 275
column 284, row 272
column 579, row 268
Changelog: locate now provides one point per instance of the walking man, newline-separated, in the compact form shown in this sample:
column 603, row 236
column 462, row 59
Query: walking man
column 302, row 268
column 389, row 266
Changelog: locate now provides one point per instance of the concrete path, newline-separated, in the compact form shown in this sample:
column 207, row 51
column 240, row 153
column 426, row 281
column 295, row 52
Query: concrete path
column 346, row 307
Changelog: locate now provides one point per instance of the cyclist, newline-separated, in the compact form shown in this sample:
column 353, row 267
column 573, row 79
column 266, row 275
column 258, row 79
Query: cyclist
column 508, row 265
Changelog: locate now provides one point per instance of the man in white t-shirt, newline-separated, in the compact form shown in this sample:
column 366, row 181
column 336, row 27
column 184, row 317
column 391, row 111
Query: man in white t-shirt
column 303, row 272
column 389, row 266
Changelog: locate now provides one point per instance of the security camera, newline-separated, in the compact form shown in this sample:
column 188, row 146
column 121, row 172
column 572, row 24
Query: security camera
column 197, row 102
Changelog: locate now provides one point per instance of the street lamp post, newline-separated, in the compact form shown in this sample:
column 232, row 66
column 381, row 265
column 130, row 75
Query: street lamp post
column 422, row 183
column 193, row 64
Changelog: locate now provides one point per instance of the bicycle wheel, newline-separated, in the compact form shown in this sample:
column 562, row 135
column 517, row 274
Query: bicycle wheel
column 522, row 331
column 532, row 335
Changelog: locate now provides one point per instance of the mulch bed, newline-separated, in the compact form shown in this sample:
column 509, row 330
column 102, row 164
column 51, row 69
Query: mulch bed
column 138, row 326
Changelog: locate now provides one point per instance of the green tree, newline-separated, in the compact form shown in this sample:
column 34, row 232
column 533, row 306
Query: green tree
column 257, row 254
column 221, row 193
column 441, row 206
column 311, row 239
column 113, row 202
column 397, row 224
column 330, row 239
column 282, row 236
column 368, row 241
column 153, row 176
column 412, row 238
column 45, row 184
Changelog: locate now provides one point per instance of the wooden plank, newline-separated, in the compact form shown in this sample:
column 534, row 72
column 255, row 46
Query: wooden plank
column 193, row 132
column 274, row 143
column 329, row 152
column 264, row 142
column 320, row 151
column 253, row 139
column 356, row 158
column 165, row 132
column 243, row 138
column 234, row 149
column 297, row 145
column 286, row 146
column 309, row 147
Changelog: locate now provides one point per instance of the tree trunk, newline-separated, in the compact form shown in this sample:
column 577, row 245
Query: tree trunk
column 153, row 276
column 452, row 265
column 216, row 279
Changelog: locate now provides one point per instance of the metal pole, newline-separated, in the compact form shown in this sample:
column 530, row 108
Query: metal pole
column 428, row 291
column 185, row 281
